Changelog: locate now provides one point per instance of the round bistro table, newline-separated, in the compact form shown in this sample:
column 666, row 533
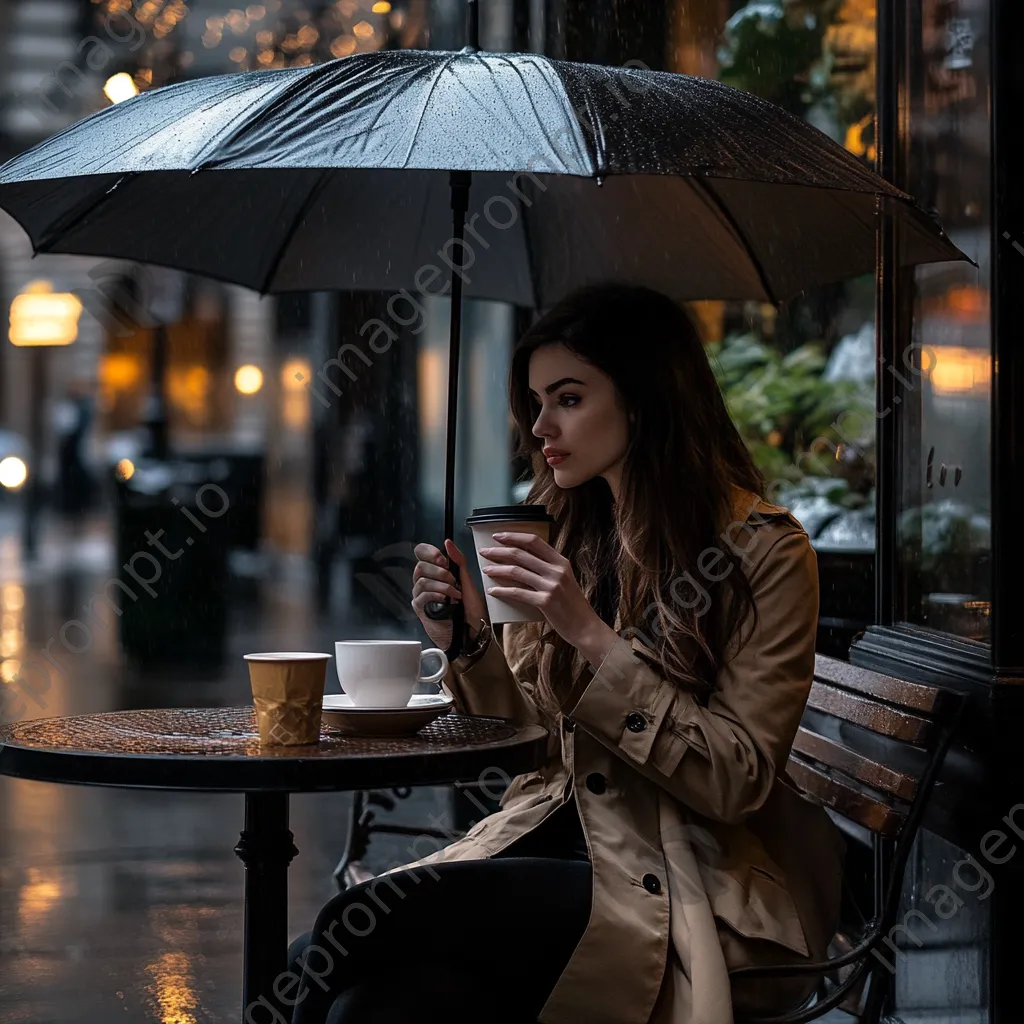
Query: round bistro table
column 217, row 750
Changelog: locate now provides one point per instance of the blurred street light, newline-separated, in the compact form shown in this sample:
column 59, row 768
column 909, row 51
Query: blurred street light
column 40, row 316
column 40, row 319
column 248, row 379
column 120, row 87
column 13, row 473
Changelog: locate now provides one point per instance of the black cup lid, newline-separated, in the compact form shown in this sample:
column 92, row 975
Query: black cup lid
column 510, row 514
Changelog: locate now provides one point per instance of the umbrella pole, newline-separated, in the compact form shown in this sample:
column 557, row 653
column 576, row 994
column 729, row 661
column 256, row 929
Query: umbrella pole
column 460, row 182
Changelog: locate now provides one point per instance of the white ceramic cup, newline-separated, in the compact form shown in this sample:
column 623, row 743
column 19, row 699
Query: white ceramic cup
column 384, row 673
column 485, row 522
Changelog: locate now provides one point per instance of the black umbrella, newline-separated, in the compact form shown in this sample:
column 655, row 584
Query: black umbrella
column 503, row 176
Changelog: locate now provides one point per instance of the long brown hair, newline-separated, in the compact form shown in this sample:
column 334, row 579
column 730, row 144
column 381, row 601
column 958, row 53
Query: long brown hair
column 683, row 459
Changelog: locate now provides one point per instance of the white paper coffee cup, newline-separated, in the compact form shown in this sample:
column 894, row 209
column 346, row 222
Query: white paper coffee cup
column 485, row 522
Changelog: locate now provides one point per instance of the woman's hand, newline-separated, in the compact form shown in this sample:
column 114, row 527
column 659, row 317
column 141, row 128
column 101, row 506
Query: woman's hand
column 432, row 581
column 532, row 572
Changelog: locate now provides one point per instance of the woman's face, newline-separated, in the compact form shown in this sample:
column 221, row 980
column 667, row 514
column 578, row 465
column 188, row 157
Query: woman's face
column 582, row 420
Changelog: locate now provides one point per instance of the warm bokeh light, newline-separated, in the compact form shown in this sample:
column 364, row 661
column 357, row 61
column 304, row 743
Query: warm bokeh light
column 248, row 379
column 237, row 21
column 968, row 302
column 41, row 316
column 9, row 670
column 188, row 389
column 383, row 7
column 120, row 87
column 432, row 390
column 295, row 374
column 363, row 29
column 119, row 374
column 959, row 371
column 238, row 54
column 13, row 472
column 124, row 469
column 343, row 46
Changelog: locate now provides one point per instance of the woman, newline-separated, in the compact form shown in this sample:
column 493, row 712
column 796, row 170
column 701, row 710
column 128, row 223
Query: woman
column 661, row 844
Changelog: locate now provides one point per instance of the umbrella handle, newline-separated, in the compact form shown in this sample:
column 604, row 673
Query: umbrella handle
column 447, row 609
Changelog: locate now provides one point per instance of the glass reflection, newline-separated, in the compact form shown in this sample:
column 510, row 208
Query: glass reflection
column 944, row 523
column 799, row 381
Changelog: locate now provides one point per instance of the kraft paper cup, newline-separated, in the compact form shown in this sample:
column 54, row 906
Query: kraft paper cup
column 485, row 522
column 288, row 692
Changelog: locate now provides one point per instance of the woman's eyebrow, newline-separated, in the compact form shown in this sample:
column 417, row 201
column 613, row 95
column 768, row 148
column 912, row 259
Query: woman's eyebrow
column 555, row 385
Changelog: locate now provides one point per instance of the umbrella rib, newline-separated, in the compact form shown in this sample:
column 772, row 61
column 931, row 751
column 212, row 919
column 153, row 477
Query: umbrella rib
column 78, row 213
column 314, row 194
column 706, row 190
column 436, row 77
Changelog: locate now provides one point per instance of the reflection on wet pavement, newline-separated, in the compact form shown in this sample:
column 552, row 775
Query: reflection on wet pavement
column 125, row 905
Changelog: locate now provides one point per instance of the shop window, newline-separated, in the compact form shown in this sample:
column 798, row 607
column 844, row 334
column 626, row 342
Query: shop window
column 943, row 514
column 800, row 382
column 197, row 381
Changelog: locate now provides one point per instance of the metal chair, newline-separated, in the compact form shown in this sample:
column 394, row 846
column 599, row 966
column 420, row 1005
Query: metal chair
column 364, row 824
column 869, row 749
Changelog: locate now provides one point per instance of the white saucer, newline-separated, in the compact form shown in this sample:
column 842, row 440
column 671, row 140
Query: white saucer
column 343, row 702
column 341, row 714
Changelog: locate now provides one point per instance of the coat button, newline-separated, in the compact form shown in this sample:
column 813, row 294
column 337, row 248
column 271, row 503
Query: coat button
column 635, row 722
column 596, row 782
column 568, row 724
column 651, row 883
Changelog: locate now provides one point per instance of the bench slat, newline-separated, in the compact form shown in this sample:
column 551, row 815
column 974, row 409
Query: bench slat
column 821, row 748
column 930, row 700
column 880, row 718
column 844, row 799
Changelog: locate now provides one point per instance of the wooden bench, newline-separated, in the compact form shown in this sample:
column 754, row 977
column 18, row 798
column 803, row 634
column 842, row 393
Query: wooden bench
column 868, row 749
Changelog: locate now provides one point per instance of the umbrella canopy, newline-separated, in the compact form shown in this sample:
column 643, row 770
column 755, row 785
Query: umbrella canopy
column 501, row 176
column 335, row 176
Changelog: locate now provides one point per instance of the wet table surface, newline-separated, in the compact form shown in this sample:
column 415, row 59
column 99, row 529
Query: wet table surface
column 218, row 750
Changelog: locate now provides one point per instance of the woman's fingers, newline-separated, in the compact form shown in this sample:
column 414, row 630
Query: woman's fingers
column 431, row 571
column 433, row 580
column 426, row 590
column 534, row 597
column 429, row 553
column 516, row 556
column 507, row 575
column 456, row 553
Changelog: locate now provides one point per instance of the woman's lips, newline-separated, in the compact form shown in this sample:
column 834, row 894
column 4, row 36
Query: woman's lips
column 554, row 460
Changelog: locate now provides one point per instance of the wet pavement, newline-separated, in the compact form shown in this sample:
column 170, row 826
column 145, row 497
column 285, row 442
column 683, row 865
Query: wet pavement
column 125, row 905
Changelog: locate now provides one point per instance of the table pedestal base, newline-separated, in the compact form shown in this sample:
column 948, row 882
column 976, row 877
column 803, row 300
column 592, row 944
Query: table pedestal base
column 266, row 848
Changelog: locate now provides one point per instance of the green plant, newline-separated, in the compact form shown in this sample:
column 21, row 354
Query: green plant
column 781, row 404
column 804, row 54
column 770, row 47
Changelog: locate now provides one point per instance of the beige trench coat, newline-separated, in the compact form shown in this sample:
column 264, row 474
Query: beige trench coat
column 705, row 855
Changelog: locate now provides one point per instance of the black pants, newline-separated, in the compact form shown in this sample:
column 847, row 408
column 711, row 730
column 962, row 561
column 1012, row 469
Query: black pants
column 459, row 943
